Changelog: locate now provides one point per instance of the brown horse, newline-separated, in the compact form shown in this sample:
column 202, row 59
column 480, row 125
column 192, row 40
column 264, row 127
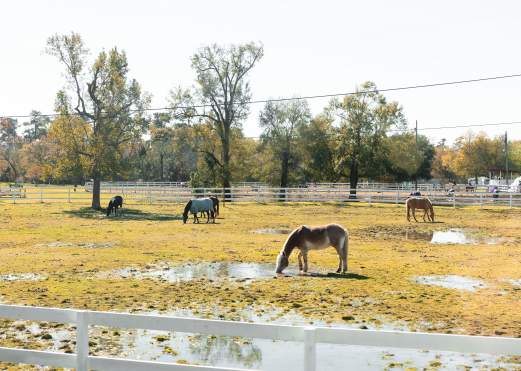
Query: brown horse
column 314, row 238
column 414, row 203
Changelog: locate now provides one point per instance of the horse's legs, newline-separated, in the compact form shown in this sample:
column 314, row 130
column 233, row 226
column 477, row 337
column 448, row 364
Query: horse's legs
column 408, row 213
column 414, row 215
column 300, row 265
column 339, row 260
column 305, row 256
column 424, row 214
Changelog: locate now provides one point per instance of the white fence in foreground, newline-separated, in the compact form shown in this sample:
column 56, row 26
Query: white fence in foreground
column 309, row 336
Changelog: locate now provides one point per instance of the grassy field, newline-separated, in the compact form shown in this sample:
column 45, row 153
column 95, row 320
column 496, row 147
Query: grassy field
column 74, row 248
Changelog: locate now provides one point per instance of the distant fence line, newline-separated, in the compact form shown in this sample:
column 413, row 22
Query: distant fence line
column 156, row 195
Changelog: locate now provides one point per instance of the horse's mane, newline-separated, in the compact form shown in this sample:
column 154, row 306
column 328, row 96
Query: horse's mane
column 291, row 241
column 187, row 207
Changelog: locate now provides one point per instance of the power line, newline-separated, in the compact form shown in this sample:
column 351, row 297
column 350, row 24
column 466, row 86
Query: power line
column 409, row 87
column 412, row 130
column 472, row 125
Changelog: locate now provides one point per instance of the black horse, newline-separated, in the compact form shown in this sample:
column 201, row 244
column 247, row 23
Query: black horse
column 114, row 203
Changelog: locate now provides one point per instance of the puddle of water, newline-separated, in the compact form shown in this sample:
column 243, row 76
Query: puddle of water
column 272, row 231
column 87, row 245
column 187, row 272
column 22, row 277
column 451, row 282
column 451, row 236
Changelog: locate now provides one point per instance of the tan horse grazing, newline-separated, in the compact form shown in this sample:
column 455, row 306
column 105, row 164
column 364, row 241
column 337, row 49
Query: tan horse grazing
column 314, row 238
column 414, row 203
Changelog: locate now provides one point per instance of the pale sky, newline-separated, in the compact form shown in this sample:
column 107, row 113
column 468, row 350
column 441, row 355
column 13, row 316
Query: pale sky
column 315, row 47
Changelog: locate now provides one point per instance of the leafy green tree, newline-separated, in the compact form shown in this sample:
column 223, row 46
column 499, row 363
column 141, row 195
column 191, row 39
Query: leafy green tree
column 10, row 144
column 221, row 95
column 281, row 123
column 410, row 159
column 106, row 99
column 36, row 127
column 317, row 142
column 365, row 118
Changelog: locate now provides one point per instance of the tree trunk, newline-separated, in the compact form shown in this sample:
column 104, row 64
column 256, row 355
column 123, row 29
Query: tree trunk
column 284, row 175
column 353, row 179
column 161, row 164
column 96, row 190
column 226, row 167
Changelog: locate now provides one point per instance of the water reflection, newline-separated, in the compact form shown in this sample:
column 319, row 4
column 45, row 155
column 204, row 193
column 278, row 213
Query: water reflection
column 187, row 272
column 451, row 236
column 451, row 282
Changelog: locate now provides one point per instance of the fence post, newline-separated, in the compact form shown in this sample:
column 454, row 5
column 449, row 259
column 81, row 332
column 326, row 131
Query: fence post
column 82, row 341
column 69, row 194
column 310, row 349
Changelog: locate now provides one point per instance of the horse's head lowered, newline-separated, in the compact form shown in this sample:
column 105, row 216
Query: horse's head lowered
column 186, row 210
column 110, row 207
column 289, row 245
column 282, row 262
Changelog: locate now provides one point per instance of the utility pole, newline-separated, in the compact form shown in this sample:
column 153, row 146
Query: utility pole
column 506, row 157
column 416, row 157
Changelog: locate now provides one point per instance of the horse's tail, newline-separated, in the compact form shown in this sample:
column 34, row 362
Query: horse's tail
column 345, row 248
column 408, row 207
column 431, row 210
column 216, row 206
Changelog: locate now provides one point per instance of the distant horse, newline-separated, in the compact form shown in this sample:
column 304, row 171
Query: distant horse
column 314, row 238
column 414, row 203
column 114, row 203
column 199, row 205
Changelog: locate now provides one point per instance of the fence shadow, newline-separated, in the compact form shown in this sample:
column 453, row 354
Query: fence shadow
column 126, row 214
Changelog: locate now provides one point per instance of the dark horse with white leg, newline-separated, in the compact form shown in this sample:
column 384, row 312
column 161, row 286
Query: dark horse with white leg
column 315, row 238
column 114, row 203
column 199, row 205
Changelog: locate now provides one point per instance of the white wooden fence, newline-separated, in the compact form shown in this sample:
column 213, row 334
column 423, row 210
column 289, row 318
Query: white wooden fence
column 309, row 336
column 158, row 194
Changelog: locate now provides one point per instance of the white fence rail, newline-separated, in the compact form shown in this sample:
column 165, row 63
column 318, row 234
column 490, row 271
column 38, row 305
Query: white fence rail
column 309, row 336
column 258, row 194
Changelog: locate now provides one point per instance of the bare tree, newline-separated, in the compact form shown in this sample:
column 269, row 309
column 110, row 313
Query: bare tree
column 221, row 95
